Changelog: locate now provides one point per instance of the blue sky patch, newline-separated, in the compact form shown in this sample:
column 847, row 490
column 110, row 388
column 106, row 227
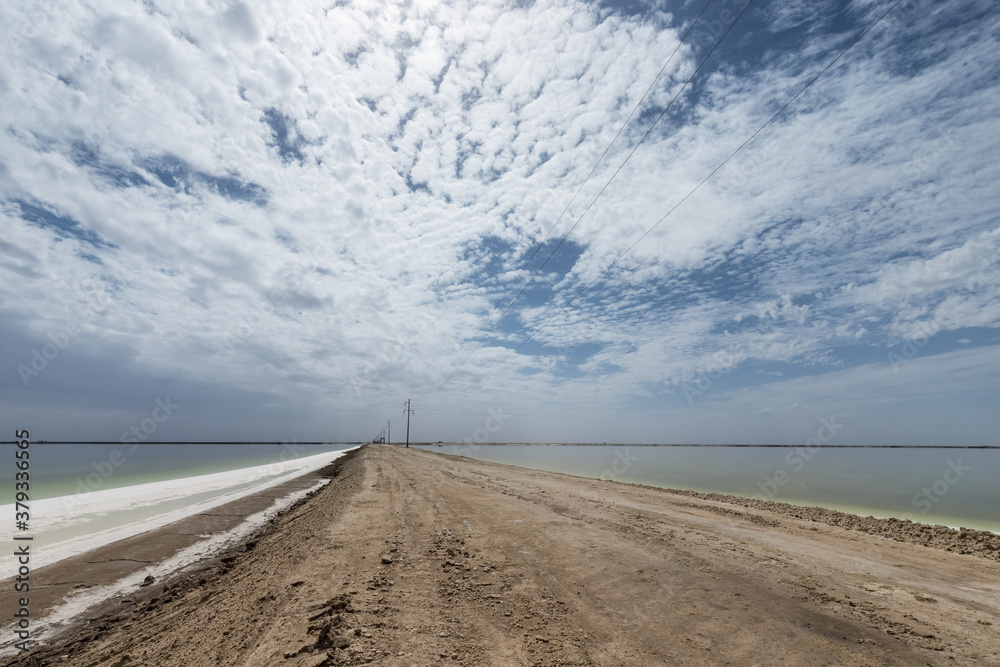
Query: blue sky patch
column 178, row 175
column 63, row 225
column 403, row 216
column 287, row 138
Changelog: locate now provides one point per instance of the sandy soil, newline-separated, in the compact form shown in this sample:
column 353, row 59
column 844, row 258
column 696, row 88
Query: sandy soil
column 411, row 557
column 104, row 565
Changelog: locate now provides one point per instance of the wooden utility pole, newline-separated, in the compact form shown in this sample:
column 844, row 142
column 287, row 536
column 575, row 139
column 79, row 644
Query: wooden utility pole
column 408, row 412
column 388, row 432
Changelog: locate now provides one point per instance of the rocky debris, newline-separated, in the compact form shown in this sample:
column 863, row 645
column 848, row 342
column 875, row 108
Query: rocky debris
column 472, row 578
column 328, row 637
column 379, row 580
column 318, row 661
column 745, row 516
column 339, row 638
column 336, row 604
column 468, row 586
column 962, row 541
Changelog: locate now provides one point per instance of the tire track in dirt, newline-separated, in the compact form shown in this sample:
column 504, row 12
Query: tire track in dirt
column 414, row 558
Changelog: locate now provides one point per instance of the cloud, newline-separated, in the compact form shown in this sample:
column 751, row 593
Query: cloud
column 323, row 205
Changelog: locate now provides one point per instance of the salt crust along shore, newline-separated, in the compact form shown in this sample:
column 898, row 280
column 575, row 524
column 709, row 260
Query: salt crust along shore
column 87, row 598
column 414, row 558
column 69, row 525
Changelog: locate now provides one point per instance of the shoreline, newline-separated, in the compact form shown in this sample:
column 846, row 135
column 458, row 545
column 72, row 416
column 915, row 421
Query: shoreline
column 966, row 541
column 933, row 519
column 75, row 524
column 336, row 542
column 667, row 444
column 60, row 590
column 962, row 540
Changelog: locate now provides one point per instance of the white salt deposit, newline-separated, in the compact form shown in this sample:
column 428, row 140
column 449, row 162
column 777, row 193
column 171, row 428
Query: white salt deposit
column 79, row 602
column 71, row 525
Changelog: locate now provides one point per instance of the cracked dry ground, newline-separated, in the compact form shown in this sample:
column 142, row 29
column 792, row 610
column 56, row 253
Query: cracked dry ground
column 414, row 558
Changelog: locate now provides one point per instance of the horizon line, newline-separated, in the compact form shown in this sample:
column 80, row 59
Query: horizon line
column 481, row 444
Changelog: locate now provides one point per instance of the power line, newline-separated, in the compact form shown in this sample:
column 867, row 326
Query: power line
column 691, row 192
column 564, row 211
column 408, row 412
column 606, row 185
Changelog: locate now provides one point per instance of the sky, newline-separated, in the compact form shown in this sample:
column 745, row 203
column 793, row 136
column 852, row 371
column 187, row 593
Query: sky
column 550, row 221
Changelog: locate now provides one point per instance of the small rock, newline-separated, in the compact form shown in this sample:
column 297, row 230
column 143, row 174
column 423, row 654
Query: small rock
column 147, row 581
column 324, row 635
column 386, row 560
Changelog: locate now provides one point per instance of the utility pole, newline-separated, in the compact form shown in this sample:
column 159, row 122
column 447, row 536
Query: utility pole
column 388, row 432
column 408, row 412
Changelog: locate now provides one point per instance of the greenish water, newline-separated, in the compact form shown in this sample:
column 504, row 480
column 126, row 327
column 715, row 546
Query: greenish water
column 950, row 487
column 956, row 487
column 64, row 469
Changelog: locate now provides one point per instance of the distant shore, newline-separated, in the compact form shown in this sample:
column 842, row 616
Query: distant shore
column 924, row 485
column 663, row 444
column 412, row 557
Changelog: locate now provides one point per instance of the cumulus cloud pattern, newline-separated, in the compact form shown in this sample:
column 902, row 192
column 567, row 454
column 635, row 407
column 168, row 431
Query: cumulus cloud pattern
column 299, row 214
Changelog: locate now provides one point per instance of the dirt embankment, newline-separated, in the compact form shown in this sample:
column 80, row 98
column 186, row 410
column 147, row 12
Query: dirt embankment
column 963, row 540
column 416, row 558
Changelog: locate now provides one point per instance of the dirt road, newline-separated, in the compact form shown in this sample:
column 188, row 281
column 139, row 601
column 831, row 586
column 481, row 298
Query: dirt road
column 415, row 558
